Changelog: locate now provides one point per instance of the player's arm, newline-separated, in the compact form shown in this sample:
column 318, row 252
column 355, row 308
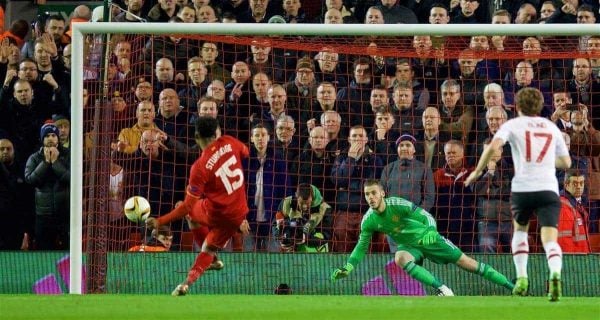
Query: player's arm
column 180, row 211
column 488, row 151
column 357, row 254
column 563, row 162
column 563, row 159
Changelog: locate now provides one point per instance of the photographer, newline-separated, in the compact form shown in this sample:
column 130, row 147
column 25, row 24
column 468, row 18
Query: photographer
column 303, row 221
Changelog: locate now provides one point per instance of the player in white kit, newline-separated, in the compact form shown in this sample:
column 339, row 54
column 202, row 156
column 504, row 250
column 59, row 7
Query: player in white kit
column 538, row 147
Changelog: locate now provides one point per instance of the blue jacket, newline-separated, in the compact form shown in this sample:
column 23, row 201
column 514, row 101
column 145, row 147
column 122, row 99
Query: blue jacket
column 275, row 181
column 348, row 175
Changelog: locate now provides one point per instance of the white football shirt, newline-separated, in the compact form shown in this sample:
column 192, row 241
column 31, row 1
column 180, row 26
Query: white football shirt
column 535, row 143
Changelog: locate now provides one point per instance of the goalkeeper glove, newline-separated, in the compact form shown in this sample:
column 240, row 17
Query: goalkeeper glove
column 342, row 272
column 430, row 237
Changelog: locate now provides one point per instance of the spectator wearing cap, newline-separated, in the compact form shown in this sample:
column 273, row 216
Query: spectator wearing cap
column 408, row 177
column 48, row 171
column 302, row 92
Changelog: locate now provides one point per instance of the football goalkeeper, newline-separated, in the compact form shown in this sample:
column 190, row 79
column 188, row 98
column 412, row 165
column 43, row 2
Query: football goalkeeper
column 414, row 230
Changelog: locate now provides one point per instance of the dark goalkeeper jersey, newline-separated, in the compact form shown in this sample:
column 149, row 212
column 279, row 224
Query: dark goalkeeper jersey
column 402, row 220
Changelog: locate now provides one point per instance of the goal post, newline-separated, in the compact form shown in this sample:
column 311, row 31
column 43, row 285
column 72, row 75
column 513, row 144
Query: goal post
column 80, row 30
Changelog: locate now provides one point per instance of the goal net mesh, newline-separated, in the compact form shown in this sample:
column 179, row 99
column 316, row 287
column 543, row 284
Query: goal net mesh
column 371, row 91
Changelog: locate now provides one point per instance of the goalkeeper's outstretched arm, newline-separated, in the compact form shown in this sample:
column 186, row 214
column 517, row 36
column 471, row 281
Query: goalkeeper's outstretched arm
column 357, row 254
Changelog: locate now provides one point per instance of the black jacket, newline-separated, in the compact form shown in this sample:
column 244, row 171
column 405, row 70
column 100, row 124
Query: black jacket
column 51, row 182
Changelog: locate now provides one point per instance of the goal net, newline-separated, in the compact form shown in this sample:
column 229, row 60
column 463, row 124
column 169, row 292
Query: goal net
column 327, row 105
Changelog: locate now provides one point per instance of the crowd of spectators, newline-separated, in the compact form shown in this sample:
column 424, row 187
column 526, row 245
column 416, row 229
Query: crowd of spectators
column 326, row 119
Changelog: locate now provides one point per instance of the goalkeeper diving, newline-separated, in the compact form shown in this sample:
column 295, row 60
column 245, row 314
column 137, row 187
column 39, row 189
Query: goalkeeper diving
column 414, row 230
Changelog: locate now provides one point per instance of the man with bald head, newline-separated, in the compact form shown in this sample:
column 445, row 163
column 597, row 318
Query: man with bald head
column 313, row 164
column 164, row 167
column 344, row 16
column 239, row 107
column 333, row 16
column 172, row 118
column 430, row 144
column 495, row 117
column 164, row 76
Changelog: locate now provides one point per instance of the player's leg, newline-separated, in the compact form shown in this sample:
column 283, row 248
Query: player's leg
column 406, row 260
column 520, row 243
column 201, row 264
column 215, row 239
column 199, row 232
column 484, row 270
column 548, row 219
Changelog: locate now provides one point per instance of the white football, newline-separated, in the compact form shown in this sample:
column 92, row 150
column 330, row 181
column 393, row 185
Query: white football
column 137, row 209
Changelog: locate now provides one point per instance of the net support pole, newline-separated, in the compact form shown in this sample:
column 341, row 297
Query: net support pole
column 76, row 224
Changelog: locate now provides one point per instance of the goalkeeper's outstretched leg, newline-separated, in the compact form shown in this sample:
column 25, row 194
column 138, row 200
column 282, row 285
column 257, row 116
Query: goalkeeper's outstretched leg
column 406, row 261
column 484, row 270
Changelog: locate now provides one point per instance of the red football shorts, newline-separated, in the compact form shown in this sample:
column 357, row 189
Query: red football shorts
column 221, row 228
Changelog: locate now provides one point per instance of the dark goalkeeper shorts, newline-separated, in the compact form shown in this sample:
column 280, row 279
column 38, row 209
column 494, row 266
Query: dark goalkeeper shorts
column 443, row 251
column 544, row 204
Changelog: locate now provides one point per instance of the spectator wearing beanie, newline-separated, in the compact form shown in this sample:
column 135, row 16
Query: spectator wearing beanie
column 48, row 171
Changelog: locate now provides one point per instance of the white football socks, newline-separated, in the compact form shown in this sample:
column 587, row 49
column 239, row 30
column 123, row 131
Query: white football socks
column 554, row 257
column 520, row 251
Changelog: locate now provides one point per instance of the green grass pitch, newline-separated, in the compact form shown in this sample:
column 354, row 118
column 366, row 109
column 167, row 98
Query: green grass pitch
column 305, row 307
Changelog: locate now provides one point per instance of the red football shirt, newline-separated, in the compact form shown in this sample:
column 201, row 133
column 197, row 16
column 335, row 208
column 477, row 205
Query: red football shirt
column 217, row 178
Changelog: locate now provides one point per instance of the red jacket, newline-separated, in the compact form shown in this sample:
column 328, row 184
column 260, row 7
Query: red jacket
column 572, row 228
